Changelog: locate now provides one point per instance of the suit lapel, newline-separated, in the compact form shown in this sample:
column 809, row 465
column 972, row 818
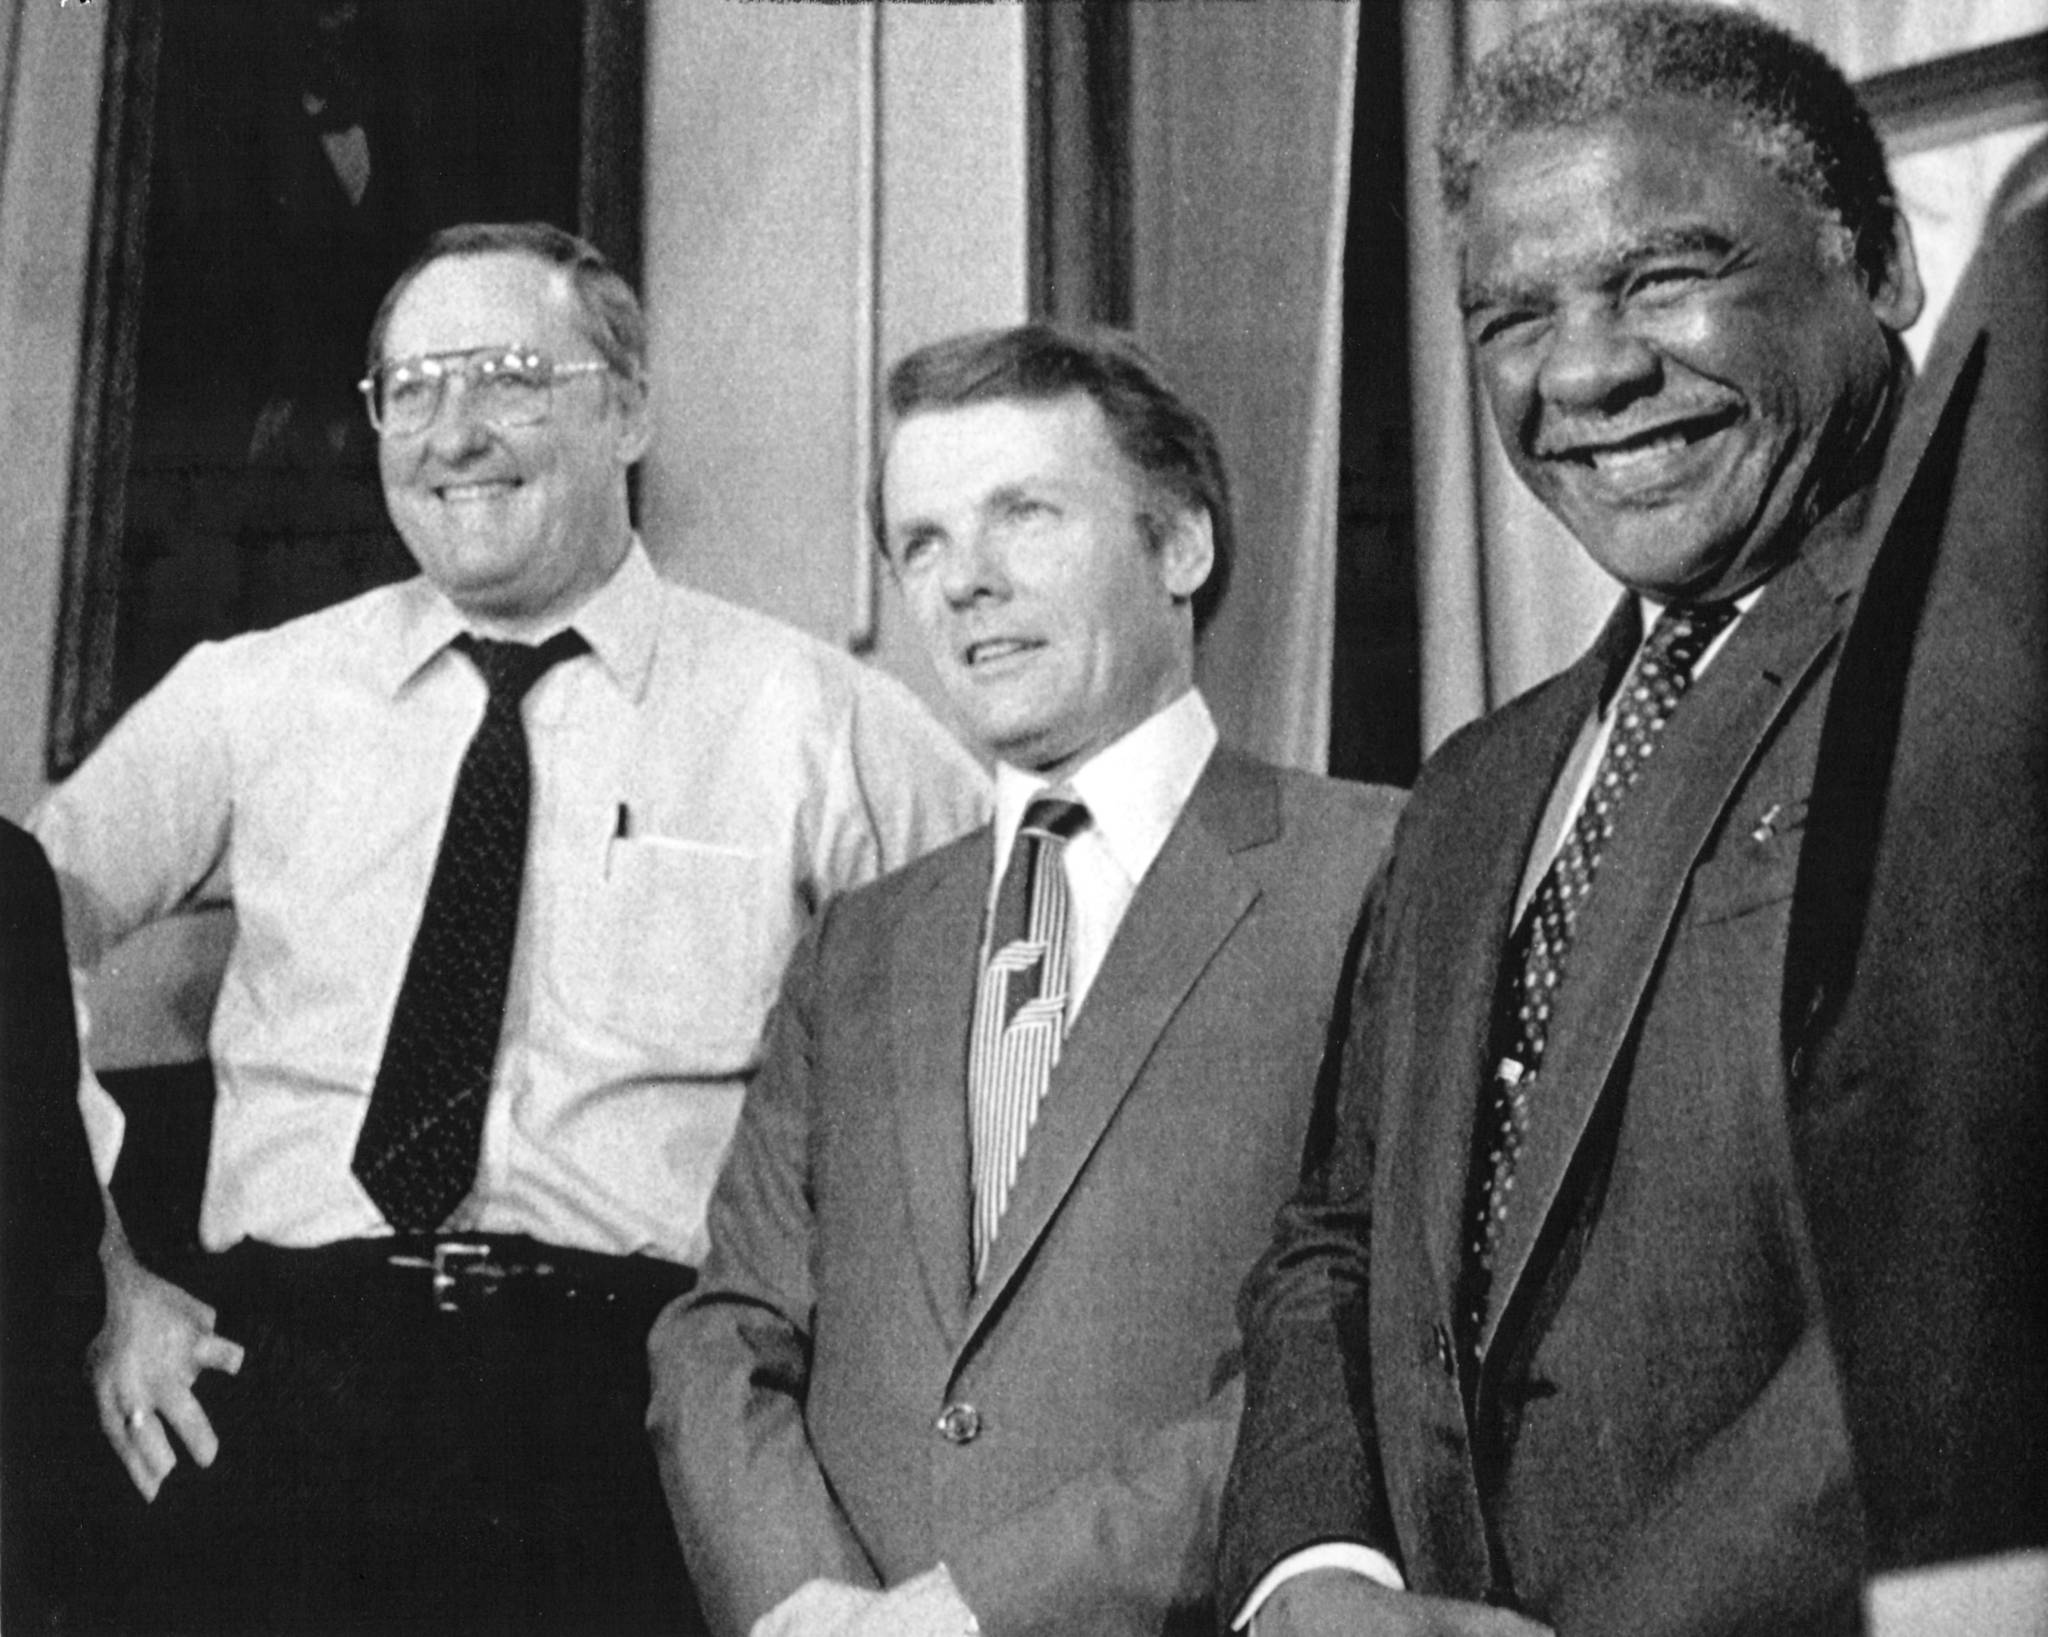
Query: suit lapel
column 1466, row 924
column 1939, row 398
column 1627, row 917
column 1192, row 898
column 932, row 981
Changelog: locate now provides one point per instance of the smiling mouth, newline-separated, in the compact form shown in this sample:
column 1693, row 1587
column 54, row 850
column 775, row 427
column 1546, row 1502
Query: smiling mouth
column 458, row 493
column 994, row 650
column 1618, row 456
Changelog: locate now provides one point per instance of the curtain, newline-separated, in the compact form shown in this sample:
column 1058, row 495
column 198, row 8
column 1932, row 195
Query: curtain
column 1241, row 160
column 1506, row 597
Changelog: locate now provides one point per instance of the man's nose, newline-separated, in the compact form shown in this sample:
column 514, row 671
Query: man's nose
column 1595, row 361
column 456, row 428
column 975, row 567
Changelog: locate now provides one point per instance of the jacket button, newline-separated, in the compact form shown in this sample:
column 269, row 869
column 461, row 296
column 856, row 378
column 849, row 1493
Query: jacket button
column 1446, row 1351
column 959, row 1423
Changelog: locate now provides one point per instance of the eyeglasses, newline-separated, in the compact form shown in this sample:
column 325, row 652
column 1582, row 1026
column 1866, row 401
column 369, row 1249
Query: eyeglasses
column 504, row 386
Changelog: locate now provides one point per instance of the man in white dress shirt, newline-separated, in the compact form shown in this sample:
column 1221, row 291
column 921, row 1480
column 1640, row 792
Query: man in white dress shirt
column 516, row 852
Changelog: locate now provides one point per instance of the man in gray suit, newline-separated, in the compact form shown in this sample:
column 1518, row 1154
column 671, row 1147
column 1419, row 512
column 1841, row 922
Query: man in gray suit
column 1541, row 1343
column 963, row 1357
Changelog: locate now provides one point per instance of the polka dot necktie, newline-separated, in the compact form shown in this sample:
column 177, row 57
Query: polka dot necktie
column 1020, row 1009
column 1534, row 965
column 417, row 1155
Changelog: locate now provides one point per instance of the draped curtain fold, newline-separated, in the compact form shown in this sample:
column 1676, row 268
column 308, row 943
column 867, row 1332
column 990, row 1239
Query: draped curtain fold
column 1240, row 187
column 1506, row 598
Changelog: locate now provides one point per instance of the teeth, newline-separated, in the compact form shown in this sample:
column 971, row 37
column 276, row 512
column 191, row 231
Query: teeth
column 1638, row 454
column 474, row 491
column 979, row 652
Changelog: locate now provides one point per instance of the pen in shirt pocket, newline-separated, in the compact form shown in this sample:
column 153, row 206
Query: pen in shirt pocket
column 621, row 830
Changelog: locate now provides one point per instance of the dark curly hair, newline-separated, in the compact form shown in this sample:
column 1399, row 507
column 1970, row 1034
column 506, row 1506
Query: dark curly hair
column 1156, row 430
column 1786, row 102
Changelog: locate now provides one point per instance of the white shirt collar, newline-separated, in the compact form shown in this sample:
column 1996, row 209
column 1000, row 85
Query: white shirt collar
column 620, row 620
column 1650, row 610
column 1134, row 788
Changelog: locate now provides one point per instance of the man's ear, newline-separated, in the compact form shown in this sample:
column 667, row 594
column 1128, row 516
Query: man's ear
column 1187, row 551
column 1897, row 295
column 635, row 429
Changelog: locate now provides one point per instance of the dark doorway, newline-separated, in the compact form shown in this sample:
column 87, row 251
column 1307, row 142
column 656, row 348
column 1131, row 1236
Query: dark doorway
column 1375, row 685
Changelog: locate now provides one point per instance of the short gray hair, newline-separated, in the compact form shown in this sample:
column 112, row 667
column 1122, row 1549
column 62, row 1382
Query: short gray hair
column 611, row 311
column 1790, row 106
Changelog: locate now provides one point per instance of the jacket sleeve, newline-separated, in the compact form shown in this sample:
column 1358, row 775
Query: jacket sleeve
column 1306, row 1469
column 730, row 1363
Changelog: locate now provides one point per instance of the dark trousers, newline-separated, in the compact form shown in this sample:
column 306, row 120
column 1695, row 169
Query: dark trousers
column 389, row 1467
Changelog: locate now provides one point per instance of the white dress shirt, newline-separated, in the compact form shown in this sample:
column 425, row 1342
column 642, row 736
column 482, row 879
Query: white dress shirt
column 703, row 779
column 1134, row 790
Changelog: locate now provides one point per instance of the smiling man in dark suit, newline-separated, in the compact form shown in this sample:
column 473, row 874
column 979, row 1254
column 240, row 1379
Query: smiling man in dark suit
column 963, row 1358
column 1540, row 1342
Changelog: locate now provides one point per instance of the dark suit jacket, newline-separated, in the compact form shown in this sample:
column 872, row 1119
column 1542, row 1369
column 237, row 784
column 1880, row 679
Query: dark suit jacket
column 49, row 1197
column 799, row 1393
column 1655, row 1444
column 1919, row 975
column 49, row 1239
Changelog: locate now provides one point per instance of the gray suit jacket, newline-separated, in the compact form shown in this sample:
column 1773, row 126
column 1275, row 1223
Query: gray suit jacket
column 1654, row 1442
column 836, row 1400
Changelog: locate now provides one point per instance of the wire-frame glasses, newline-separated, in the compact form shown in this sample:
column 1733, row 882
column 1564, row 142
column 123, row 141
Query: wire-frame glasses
column 504, row 386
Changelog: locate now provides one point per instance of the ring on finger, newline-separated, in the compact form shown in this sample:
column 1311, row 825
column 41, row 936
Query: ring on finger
column 134, row 1419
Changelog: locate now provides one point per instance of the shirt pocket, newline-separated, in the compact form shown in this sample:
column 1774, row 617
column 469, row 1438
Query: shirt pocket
column 685, row 962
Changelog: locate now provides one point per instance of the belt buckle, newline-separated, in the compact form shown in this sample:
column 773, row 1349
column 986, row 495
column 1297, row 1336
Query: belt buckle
column 455, row 1261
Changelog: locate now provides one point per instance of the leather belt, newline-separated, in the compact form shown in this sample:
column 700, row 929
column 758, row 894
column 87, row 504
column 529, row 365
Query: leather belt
column 461, row 1274
column 463, row 1271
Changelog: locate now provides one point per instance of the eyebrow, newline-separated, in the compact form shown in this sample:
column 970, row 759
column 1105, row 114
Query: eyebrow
column 1008, row 494
column 1685, row 239
column 908, row 528
column 1031, row 486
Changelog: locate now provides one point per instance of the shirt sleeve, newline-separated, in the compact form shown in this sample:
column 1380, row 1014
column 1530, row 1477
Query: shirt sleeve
column 902, row 785
column 106, row 1127
column 140, row 831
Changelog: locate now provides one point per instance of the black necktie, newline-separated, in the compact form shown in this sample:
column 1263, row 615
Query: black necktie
column 417, row 1154
column 1534, row 965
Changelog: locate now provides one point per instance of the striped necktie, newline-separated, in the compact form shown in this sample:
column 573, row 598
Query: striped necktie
column 1019, row 1010
column 1535, row 963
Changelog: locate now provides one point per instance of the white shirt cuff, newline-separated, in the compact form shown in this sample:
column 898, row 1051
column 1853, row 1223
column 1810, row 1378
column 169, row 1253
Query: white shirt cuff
column 1331, row 1554
column 2003, row 1596
column 105, row 1124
